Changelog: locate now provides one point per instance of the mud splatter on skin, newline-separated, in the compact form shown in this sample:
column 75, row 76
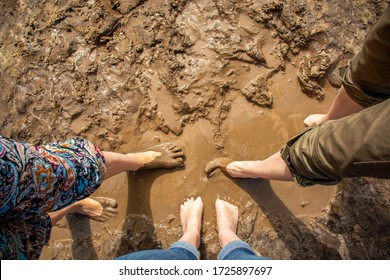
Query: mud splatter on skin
column 221, row 78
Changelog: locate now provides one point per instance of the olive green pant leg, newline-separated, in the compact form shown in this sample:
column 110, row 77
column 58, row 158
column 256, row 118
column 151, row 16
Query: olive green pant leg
column 367, row 77
column 354, row 146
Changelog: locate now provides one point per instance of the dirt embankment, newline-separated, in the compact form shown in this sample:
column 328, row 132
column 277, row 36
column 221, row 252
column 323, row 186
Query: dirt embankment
column 220, row 78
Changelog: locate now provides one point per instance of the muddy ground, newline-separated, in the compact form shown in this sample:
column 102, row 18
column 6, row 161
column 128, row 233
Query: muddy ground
column 220, row 78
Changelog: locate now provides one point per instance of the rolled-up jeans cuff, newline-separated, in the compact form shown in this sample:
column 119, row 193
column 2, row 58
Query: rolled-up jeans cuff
column 186, row 246
column 232, row 246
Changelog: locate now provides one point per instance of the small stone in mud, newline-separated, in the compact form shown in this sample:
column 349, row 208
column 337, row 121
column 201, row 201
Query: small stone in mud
column 171, row 218
column 304, row 204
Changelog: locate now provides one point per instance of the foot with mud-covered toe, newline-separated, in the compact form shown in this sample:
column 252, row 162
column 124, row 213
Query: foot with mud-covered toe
column 231, row 168
column 95, row 208
column 227, row 221
column 233, row 248
column 221, row 164
column 271, row 168
column 166, row 155
column 191, row 212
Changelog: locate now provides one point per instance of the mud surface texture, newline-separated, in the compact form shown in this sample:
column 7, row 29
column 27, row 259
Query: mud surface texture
column 220, row 78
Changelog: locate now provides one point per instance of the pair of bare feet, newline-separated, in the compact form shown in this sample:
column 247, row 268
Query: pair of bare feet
column 166, row 155
column 273, row 167
column 191, row 212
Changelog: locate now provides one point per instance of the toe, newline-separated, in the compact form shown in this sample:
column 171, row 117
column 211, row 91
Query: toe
column 176, row 149
column 169, row 145
column 178, row 154
column 211, row 166
column 112, row 210
column 105, row 201
column 101, row 218
column 111, row 203
column 178, row 161
column 212, row 173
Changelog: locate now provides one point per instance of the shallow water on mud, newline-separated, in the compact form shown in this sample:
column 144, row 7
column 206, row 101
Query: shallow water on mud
column 250, row 133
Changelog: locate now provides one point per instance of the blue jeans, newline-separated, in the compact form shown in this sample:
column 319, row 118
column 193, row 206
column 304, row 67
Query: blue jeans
column 235, row 250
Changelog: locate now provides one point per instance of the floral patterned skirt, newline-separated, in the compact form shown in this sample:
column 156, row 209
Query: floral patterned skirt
column 37, row 180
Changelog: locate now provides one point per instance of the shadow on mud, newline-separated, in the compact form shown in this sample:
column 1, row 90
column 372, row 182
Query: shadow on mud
column 299, row 239
column 138, row 232
column 82, row 245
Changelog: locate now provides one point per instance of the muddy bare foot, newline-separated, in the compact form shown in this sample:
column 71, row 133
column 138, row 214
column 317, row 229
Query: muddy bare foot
column 314, row 119
column 166, row 155
column 191, row 219
column 244, row 169
column 227, row 220
column 97, row 208
column 218, row 163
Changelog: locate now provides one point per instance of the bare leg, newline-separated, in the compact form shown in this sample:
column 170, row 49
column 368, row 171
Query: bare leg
column 227, row 220
column 191, row 213
column 342, row 106
column 167, row 155
column 97, row 208
column 272, row 168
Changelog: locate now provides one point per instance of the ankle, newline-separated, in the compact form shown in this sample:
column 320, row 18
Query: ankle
column 76, row 207
column 141, row 159
column 226, row 236
column 327, row 117
column 192, row 236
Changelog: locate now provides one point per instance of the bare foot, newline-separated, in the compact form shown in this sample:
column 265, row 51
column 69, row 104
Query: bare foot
column 233, row 169
column 218, row 163
column 315, row 119
column 166, row 155
column 191, row 219
column 244, row 169
column 96, row 208
column 227, row 220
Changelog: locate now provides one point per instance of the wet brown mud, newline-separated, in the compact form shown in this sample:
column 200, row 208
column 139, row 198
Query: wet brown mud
column 220, row 78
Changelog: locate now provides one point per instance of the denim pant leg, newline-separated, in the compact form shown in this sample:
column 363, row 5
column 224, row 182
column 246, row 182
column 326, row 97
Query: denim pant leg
column 238, row 250
column 178, row 251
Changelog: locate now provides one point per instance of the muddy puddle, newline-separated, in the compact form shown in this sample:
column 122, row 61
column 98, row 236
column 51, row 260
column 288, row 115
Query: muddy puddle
column 250, row 134
column 220, row 78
